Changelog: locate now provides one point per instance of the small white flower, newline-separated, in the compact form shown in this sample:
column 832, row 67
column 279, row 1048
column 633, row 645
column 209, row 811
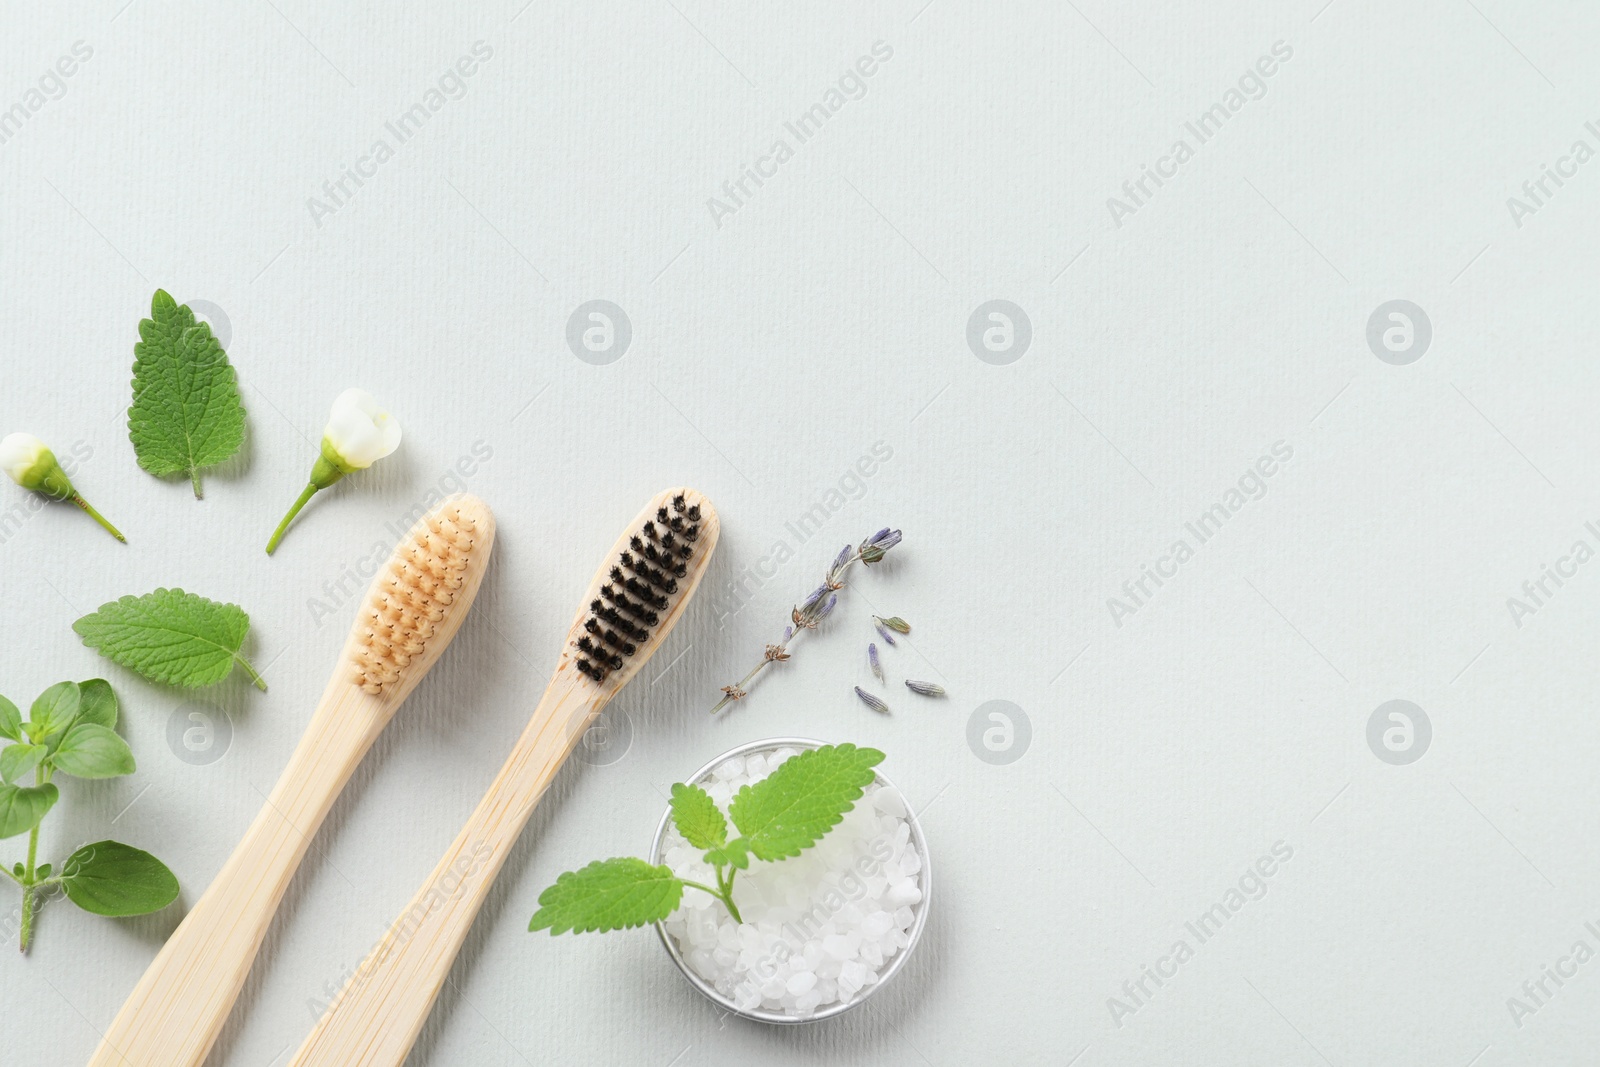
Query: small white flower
column 359, row 432
column 32, row 465
column 20, row 454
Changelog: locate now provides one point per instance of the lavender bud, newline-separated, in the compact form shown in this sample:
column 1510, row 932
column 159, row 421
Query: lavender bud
column 872, row 658
column 872, row 702
column 822, row 612
column 927, row 689
column 882, row 632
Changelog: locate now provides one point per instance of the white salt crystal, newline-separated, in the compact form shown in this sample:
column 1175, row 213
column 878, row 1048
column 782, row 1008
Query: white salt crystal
column 904, row 892
column 801, row 982
column 876, row 925
column 903, row 918
column 838, row 947
column 806, row 1003
column 729, row 769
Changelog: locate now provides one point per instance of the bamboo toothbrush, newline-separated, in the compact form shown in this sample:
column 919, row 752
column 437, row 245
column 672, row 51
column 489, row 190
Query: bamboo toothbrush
column 631, row 605
column 411, row 613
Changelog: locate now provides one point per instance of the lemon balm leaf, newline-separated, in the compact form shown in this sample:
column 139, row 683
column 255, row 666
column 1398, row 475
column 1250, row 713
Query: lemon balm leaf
column 186, row 413
column 697, row 817
column 792, row 808
column 171, row 636
column 608, row 895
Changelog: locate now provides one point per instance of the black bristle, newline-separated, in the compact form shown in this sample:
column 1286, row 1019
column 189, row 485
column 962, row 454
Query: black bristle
column 651, row 575
column 622, row 622
column 645, row 593
column 640, row 585
column 638, row 611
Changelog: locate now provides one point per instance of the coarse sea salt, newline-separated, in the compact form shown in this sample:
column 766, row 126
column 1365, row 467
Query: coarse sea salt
column 820, row 928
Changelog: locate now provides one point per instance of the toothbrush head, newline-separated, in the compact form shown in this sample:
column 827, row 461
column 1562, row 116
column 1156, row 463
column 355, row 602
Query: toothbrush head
column 641, row 589
column 420, row 597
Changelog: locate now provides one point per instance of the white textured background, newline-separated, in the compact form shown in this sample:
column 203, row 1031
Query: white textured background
column 769, row 353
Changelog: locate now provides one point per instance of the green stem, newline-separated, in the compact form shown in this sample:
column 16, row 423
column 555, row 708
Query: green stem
column 97, row 517
column 723, row 894
column 261, row 683
column 194, row 480
column 277, row 535
column 27, row 888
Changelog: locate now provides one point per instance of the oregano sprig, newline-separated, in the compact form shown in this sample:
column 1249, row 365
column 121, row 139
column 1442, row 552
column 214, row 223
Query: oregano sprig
column 71, row 730
column 778, row 817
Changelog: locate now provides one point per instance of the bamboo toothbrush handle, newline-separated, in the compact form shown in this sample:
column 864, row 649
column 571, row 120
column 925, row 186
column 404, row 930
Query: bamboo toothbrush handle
column 377, row 1017
column 178, row 1008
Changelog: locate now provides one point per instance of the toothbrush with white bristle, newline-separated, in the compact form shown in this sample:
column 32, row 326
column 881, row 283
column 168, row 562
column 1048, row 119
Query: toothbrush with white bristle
column 410, row 615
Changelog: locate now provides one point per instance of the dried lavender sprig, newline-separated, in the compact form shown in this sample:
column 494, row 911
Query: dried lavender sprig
column 815, row 607
column 877, row 668
column 872, row 702
column 927, row 689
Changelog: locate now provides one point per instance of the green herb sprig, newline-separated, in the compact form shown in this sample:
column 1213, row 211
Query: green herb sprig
column 778, row 818
column 71, row 729
column 171, row 636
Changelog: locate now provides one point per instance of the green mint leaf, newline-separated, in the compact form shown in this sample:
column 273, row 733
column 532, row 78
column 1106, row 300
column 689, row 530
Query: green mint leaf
column 171, row 636
column 735, row 853
column 185, row 413
column 97, row 703
column 23, row 809
column 55, row 710
column 697, row 816
column 110, row 878
column 793, row 807
column 18, row 761
column 10, row 720
column 91, row 751
column 608, row 895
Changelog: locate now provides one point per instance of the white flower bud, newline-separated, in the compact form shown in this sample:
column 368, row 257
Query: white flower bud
column 26, row 459
column 359, row 432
